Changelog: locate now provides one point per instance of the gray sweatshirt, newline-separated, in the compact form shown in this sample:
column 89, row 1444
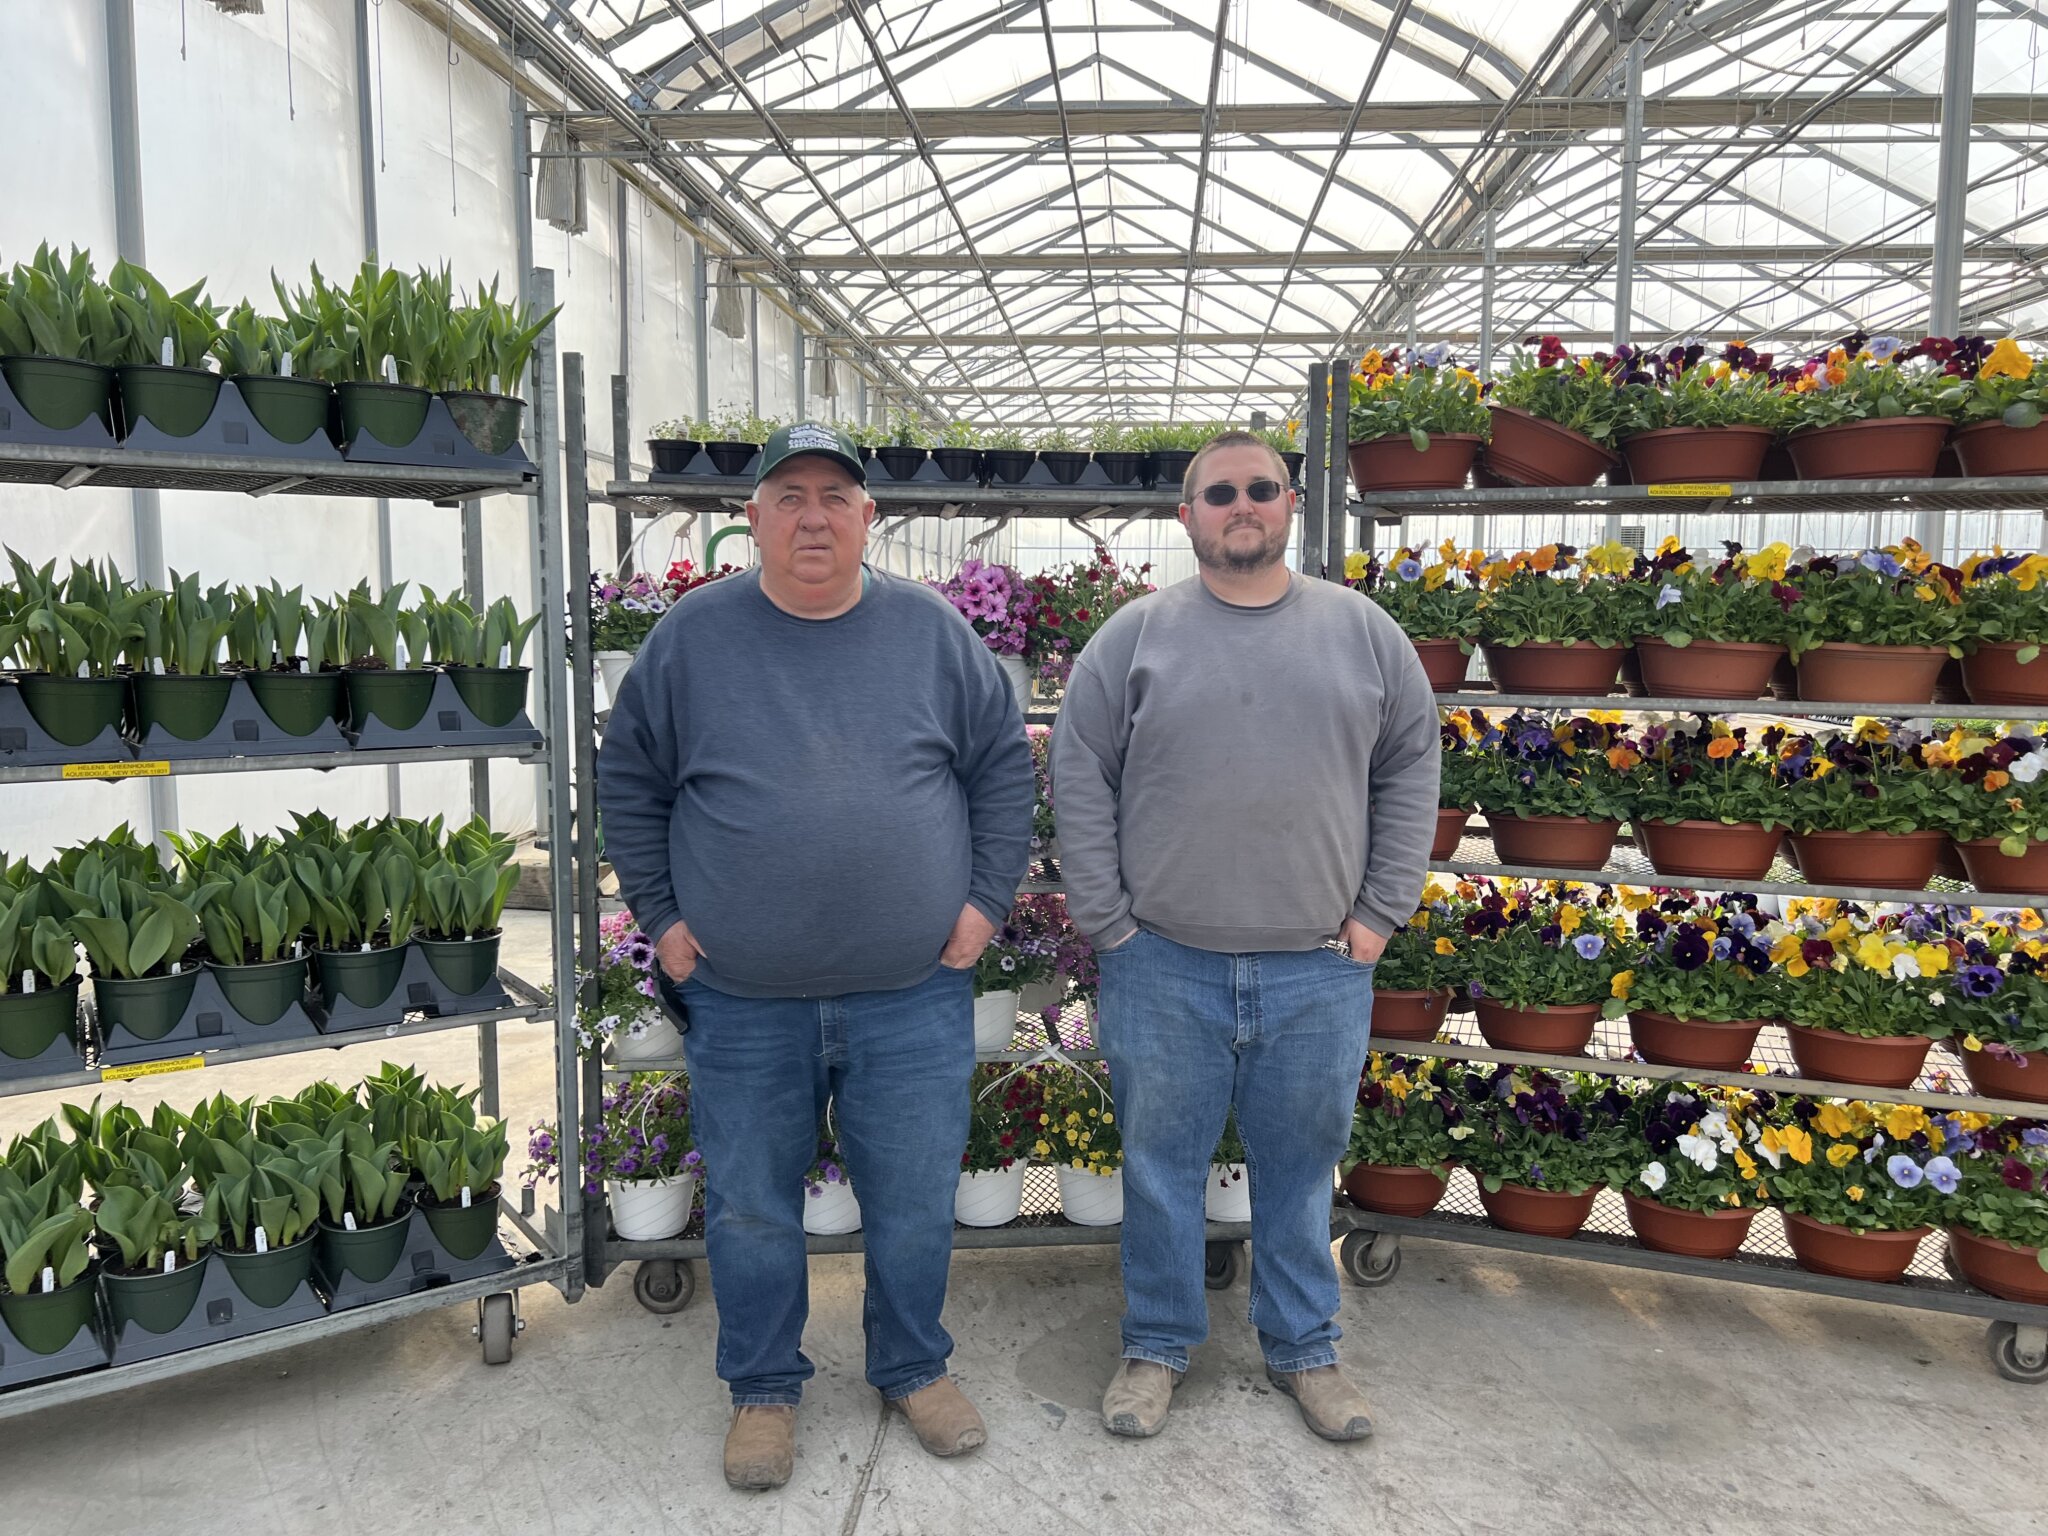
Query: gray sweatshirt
column 817, row 798
column 1240, row 779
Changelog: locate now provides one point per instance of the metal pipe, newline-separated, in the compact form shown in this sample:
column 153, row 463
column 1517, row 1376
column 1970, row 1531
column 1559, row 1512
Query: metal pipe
column 1315, row 484
column 1488, row 260
column 1631, row 169
column 1959, row 63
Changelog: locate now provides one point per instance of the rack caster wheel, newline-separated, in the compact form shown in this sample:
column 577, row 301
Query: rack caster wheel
column 1219, row 1268
column 664, row 1285
column 1371, row 1258
column 2019, row 1351
column 498, row 1323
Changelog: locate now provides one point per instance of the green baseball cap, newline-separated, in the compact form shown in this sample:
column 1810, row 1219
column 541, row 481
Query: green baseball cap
column 810, row 437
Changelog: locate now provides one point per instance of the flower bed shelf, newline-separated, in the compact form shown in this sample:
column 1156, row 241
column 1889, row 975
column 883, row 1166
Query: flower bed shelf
column 1985, row 494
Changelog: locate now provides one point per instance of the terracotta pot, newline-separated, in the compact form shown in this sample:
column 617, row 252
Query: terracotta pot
column 1552, row 842
column 1714, row 454
column 1993, row 448
column 1707, row 669
column 1841, row 672
column 1826, row 1249
column 1444, row 663
column 1392, row 464
column 1538, row 1212
column 1992, row 674
column 1696, row 1234
column 2000, row 1077
column 1408, row 1015
column 1891, row 448
column 1886, row 1061
column 1527, row 450
column 1396, row 1191
column 1990, row 870
column 1549, row 1031
column 1998, row 1268
column 1548, row 667
column 1450, row 831
column 1705, row 1044
column 1898, row 861
column 1710, row 850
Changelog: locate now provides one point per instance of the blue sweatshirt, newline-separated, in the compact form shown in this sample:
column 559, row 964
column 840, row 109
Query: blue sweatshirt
column 817, row 798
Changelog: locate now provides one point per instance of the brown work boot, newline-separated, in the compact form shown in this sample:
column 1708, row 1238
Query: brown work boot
column 946, row 1423
column 1138, row 1398
column 1330, row 1404
column 760, row 1445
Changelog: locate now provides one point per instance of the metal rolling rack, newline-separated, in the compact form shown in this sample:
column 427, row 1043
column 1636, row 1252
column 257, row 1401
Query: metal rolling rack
column 2017, row 1339
column 555, row 1259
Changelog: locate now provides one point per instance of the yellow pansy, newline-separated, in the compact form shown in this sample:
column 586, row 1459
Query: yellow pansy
column 1871, row 729
column 2008, row 361
column 1398, row 1085
column 1903, row 1120
column 1842, row 1153
column 1635, row 899
column 1745, row 1164
column 1622, row 981
column 1933, row 958
column 1354, row 566
column 1854, row 1192
column 1873, row 953
column 1798, row 1144
column 1833, row 1120
column 1445, row 947
column 2030, row 920
column 1569, row 919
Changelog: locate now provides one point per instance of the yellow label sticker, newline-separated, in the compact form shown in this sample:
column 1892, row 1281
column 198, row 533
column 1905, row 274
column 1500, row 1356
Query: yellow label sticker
column 116, row 770
column 151, row 1068
column 1690, row 489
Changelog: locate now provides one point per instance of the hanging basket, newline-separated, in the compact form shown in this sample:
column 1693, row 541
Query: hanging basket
column 1991, row 870
column 1394, row 463
column 1696, row 1234
column 1551, row 1031
column 1527, row 450
column 1409, row 1015
column 1091, row 1199
column 1999, row 1268
column 995, row 1021
column 1994, row 674
column 1395, row 1191
column 2000, row 1077
column 1843, row 672
column 990, row 1199
column 1887, row 448
column 1880, row 1061
column 650, row 1210
column 1710, row 850
column 832, row 1211
column 1229, row 1196
column 1676, row 455
column 1709, row 1045
column 1450, row 831
column 1899, row 861
column 1552, row 842
column 1706, row 669
column 1538, row 1212
column 1444, row 663
column 1993, row 448
column 1546, row 666
column 1823, row 1248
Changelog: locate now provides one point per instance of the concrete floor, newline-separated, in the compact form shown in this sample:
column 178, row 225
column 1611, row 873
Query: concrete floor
column 1513, row 1394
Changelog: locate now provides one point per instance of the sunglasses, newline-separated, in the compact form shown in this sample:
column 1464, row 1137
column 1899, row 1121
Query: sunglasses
column 1226, row 495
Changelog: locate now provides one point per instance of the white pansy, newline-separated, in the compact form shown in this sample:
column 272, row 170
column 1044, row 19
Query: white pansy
column 1701, row 1150
column 1772, row 1155
column 1904, row 966
column 2025, row 770
column 1937, row 999
column 1654, row 1177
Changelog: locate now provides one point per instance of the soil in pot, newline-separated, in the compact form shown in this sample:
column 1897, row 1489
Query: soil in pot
column 1007, row 465
column 368, row 1253
column 464, row 1230
column 394, row 414
column 184, row 707
column 1994, row 674
column 399, row 698
column 1993, row 448
column 495, row 695
column 1554, row 1031
column 366, row 977
column 176, row 401
column 1826, row 1249
column 1882, row 1061
column 1672, row 455
column 1538, row 1212
column 1999, row 1268
column 1559, row 842
column 1444, row 663
column 1394, row 1191
column 1450, row 831
column 1527, row 450
column 2000, row 1077
column 153, row 1301
column 1710, row 850
column 490, row 422
column 148, row 1008
column 1706, row 669
column 290, row 410
column 1870, row 674
column 733, row 458
column 74, row 710
column 1990, row 870
column 298, row 702
column 269, row 1279
column 465, row 966
column 60, row 392
column 1702, row 1043
column 1696, row 1234
column 262, row 993
column 959, row 464
column 1121, row 468
column 43, row 1322
column 1551, row 668
column 1408, row 1015
column 31, row 1021
column 1395, row 464
column 1890, row 448
column 1900, row 861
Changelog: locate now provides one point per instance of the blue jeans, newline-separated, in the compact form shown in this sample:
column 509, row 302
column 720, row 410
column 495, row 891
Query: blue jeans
column 1188, row 1034
column 895, row 1066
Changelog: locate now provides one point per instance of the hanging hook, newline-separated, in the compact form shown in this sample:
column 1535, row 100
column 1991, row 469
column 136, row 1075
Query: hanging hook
column 995, row 526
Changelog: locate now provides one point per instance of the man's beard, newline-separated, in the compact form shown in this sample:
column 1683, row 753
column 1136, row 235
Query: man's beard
column 1212, row 553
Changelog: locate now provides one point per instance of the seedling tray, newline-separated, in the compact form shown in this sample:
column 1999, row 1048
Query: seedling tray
column 209, row 1023
column 222, row 1312
column 448, row 722
column 424, row 1266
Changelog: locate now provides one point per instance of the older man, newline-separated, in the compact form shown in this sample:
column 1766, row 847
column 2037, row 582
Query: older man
column 817, row 794
column 1246, row 771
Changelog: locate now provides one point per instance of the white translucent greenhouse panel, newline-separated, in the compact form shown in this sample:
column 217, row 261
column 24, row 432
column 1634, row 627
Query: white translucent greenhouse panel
column 661, row 275
column 54, row 118
column 778, row 362
column 731, row 361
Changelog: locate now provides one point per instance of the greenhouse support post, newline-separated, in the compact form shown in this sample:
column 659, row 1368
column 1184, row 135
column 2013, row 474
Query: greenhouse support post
column 1951, row 211
column 1337, row 498
column 622, row 469
column 1320, row 435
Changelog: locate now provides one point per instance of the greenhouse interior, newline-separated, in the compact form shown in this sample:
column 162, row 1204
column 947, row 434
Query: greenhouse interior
column 725, row 727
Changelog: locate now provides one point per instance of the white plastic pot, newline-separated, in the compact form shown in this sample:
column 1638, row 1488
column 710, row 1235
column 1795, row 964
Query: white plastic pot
column 1230, row 1193
column 1091, row 1199
column 660, row 1041
column 995, row 1021
column 833, row 1209
column 613, row 666
column 1019, row 674
column 648, row 1210
column 989, row 1199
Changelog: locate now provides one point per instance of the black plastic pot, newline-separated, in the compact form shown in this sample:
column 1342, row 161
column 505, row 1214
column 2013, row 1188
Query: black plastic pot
column 262, row 993
column 1121, row 468
column 495, row 695
column 43, row 1322
column 30, row 1021
column 269, row 1279
column 1064, row 465
column 399, row 699
column 959, row 464
column 1169, row 466
column 369, row 1253
column 1007, row 465
column 490, row 422
column 900, row 461
column 1293, row 461
column 366, row 978
column 465, row 1231
column 465, row 966
column 672, row 455
column 148, row 1008
column 176, row 401
column 731, row 458
column 60, row 392
column 186, row 707
column 297, row 702
column 391, row 413
column 156, row 1302
column 74, row 709
column 290, row 410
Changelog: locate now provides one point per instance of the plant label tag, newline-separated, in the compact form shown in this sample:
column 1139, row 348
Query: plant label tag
column 390, row 369
column 170, row 1262
column 81, row 669
column 177, row 966
column 49, row 1278
column 298, row 949
column 284, row 366
column 28, row 981
column 366, row 947
column 262, row 1241
column 505, row 654
column 167, row 353
column 494, row 385
column 465, row 1197
column 156, row 665
column 348, row 1220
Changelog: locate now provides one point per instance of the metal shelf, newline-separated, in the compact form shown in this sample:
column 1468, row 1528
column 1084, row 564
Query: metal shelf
column 324, row 761
column 1635, row 704
column 135, row 469
column 656, row 498
column 1983, row 494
